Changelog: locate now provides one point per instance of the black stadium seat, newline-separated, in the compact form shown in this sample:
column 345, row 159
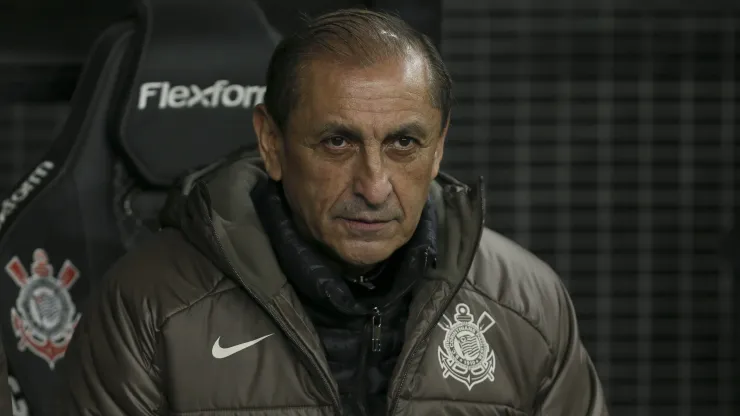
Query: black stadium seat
column 161, row 94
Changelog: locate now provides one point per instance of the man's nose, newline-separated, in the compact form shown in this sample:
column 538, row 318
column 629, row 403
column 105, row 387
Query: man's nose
column 372, row 181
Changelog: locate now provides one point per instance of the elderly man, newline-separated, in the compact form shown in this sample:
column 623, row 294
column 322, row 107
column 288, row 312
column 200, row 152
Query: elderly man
column 341, row 272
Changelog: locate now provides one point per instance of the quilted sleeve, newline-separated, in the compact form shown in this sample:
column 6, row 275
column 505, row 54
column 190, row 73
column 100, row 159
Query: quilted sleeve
column 109, row 366
column 574, row 388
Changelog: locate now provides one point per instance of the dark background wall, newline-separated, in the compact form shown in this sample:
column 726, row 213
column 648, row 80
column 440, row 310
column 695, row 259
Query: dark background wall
column 606, row 130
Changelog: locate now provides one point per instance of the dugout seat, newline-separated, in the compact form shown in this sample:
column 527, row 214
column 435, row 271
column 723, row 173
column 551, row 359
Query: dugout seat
column 167, row 91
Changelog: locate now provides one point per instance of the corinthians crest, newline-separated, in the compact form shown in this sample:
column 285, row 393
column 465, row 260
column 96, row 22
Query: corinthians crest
column 465, row 354
column 44, row 315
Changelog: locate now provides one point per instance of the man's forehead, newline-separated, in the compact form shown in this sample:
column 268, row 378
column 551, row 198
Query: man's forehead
column 403, row 77
column 397, row 92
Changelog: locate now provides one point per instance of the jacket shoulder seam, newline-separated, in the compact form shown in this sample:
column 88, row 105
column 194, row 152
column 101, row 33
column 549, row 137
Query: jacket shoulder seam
column 516, row 312
column 185, row 306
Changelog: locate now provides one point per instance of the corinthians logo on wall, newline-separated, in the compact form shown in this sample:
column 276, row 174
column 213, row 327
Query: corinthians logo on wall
column 465, row 354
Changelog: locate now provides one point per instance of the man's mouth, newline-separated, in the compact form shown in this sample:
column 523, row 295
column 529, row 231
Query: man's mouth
column 368, row 220
column 365, row 224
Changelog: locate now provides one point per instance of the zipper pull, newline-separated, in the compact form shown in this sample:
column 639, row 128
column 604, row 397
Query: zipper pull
column 377, row 326
column 367, row 285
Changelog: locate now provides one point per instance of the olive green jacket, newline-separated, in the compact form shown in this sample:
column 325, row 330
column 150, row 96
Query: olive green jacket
column 200, row 320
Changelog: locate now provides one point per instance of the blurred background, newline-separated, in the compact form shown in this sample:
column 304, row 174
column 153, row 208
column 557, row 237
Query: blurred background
column 606, row 130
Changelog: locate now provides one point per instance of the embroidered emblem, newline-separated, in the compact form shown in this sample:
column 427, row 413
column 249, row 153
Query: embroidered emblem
column 465, row 354
column 44, row 315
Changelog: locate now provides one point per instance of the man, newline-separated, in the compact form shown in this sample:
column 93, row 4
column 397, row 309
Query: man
column 335, row 275
column 6, row 407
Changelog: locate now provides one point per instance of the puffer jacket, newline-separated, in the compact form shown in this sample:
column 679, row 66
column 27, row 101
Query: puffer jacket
column 200, row 320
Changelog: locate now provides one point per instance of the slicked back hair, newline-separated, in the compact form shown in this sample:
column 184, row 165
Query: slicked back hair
column 353, row 36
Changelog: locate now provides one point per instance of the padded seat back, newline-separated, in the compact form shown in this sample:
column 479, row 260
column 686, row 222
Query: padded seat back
column 160, row 95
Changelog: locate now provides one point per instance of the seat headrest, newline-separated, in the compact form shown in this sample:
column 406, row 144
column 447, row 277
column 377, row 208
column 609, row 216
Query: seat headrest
column 201, row 71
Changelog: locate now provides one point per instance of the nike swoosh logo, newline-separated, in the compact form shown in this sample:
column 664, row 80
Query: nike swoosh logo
column 220, row 352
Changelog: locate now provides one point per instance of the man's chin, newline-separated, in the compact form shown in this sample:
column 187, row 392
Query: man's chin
column 365, row 253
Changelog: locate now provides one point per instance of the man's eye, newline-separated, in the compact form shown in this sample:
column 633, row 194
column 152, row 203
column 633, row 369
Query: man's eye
column 404, row 143
column 336, row 142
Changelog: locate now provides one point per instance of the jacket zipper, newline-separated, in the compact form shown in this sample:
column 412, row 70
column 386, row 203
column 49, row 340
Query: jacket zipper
column 301, row 345
column 428, row 330
column 369, row 353
column 377, row 327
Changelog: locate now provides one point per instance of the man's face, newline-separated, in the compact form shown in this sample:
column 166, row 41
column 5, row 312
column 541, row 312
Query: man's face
column 358, row 155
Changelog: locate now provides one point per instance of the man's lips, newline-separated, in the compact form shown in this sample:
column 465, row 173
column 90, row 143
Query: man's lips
column 363, row 224
column 367, row 219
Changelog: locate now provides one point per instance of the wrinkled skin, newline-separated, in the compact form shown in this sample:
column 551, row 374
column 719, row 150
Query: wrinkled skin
column 358, row 155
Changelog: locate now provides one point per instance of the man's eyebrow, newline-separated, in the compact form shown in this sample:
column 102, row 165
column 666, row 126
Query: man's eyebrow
column 339, row 129
column 413, row 128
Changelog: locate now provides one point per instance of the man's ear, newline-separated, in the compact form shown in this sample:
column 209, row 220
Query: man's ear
column 269, row 141
column 440, row 150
